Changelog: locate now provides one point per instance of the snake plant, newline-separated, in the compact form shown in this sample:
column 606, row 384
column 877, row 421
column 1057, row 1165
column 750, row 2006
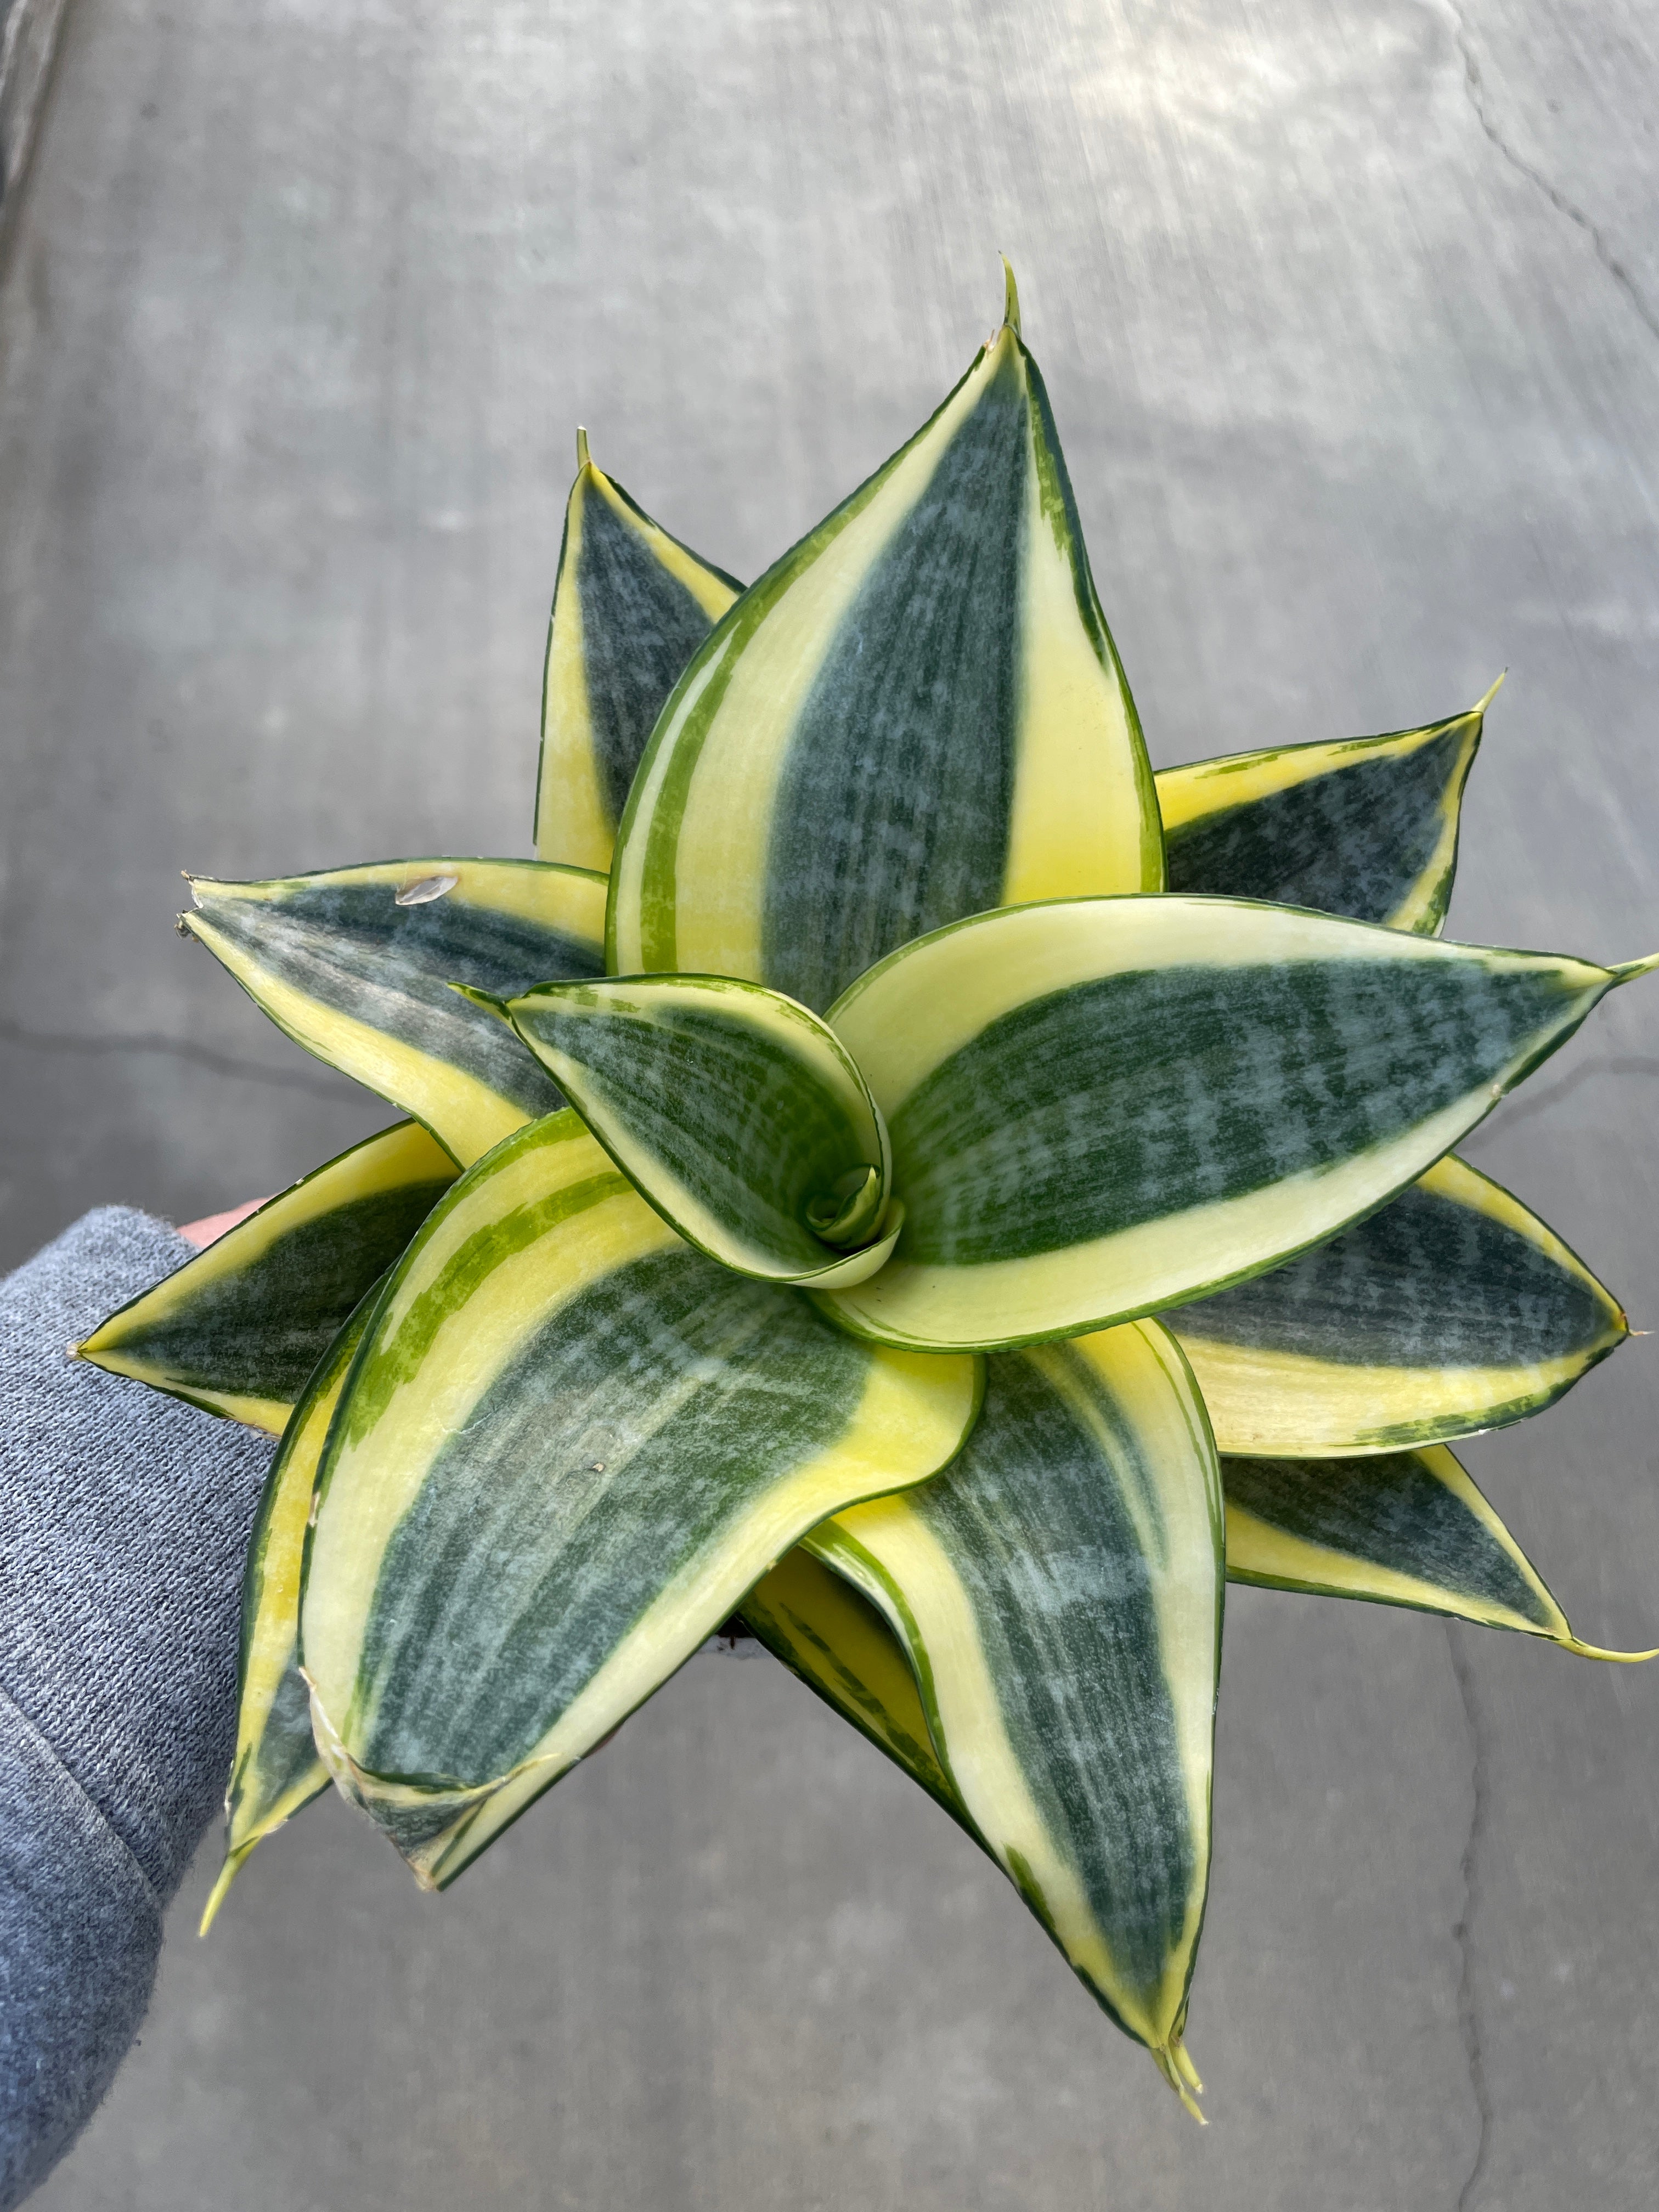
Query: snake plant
column 894, row 1169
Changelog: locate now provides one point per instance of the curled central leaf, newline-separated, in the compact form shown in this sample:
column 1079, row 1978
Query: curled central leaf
column 848, row 1217
column 737, row 1113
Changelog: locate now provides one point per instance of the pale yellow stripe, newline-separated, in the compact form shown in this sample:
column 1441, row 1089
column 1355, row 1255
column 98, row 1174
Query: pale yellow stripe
column 1414, row 909
column 404, row 1154
column 1186, row 794
column 859, row 1266
column 466, row 1114
column 886, row 1548
column 628, row 863
column 1283, row 1405
column 277, row 1625
column 795, row 1034
column 712, row 593
column 571, row 822
column 1198, row 788
column 726, row 832
column 911, row 1418
column 1143, row 1368
column 1153, row 1265
column 1256, row 1549
column 568, row 899
column 922, row 1004
column 804, row 1604
column 270, row 1414
column 376, row 1478
column 980, row 1762
column 562, row 1155
column 1077, row 822
column 1454, row 1179
column 1267, row 1404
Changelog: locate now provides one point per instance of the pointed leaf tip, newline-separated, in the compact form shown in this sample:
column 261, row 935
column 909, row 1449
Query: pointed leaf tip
column 806, row 805
column 486, row 1000
column 1010, row 295
column 1626, row 971
column 631, row 605
column 1489, row 693
column 221, row 1890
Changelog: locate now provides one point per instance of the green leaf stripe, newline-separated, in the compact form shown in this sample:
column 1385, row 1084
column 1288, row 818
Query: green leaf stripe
column 355, row 965
column 735, row 1112
column 1450, row 1310
column 240, row 1329
column 1058, row 1591
column 630, row 607
column 917, row 713
column 1367, row 827
column 1405, row 1528
column 1105, row 1107
column 569, row 1445
column 277, row 1769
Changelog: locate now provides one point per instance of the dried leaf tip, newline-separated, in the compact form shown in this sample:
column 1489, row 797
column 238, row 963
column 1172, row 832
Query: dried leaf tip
column 1179, row 2071
column 1616, row 1658
column 1010, row 296
column 584, row 458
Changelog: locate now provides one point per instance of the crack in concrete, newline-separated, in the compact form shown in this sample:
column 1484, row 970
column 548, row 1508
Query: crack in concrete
column 199, row 1055
column 1474, row 87
column 1468, row 2009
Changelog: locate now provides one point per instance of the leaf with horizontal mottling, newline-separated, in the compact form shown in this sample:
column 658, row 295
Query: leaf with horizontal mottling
column 630, row 607
column 357, row 965
column 571, row 1444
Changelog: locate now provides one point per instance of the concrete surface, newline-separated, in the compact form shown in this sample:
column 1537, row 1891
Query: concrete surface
column 28, row 37
column 1350, row 309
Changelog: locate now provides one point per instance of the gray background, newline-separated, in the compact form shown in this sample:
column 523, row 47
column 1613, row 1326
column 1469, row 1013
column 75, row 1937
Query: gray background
column 1350, row 311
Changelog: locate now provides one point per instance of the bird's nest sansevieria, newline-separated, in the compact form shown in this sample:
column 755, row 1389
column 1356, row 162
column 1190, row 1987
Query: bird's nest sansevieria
column 1002, row 1195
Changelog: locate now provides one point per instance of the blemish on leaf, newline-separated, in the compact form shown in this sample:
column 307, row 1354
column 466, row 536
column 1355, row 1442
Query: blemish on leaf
column 427, row 889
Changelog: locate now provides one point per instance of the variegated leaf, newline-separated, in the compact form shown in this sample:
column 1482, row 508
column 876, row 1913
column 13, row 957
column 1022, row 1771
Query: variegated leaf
column 839, row 1645
column 1367, row 827
column 1406, row 1528
column 1450, row 1310
column 240, row 1329
column 735, row 1112
column 1058, row 1591
column 356, row 964
column 1105, row 1107
column 277, row 1769
column 630, row 607
column 569, row 1446
column 915, row 714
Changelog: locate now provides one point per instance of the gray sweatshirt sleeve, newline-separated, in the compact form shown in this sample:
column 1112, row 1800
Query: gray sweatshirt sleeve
column 124, row 1517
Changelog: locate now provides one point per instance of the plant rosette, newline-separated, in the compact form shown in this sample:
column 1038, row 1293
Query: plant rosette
column 891, row 1167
